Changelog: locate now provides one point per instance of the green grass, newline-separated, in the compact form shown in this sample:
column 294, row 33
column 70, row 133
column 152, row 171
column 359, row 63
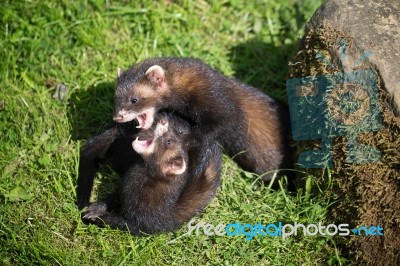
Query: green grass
column 80, row 44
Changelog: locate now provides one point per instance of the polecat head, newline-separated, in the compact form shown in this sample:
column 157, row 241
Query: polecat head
column 166, row 149
column 139, row 93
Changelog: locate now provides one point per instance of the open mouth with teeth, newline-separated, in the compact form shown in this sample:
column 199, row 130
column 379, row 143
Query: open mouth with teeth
column 145, row 119
column 141, row 120
column 145, row 143
column 143, row 146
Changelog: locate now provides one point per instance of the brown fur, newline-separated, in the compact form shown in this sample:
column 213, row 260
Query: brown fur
column 264, row 130
column 252, row 127
column 153, row 197
column 198, row 193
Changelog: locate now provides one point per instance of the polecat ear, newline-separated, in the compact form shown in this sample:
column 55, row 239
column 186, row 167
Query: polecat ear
column 175, row 167
column 156, row 75
column 119, row 72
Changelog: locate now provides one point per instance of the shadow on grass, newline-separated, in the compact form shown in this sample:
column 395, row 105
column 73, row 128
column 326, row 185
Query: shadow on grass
column 90, row 111
column 263, row 65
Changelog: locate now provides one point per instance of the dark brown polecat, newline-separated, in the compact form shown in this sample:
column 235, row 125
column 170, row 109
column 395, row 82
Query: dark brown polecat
column 175, row 179
column 251, row 126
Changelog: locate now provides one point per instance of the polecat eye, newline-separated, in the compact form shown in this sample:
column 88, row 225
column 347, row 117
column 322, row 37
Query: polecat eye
column 134, row 100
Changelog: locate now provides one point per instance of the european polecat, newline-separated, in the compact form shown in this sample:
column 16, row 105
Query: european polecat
column 250, row 125
column 176, row 178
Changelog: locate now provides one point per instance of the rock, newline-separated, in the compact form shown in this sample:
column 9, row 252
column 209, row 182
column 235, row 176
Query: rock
column 372, row 25
column 344, row 99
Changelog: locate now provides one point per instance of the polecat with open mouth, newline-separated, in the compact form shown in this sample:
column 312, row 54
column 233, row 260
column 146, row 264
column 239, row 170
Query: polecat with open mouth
column 176, row 178
column 251, row 126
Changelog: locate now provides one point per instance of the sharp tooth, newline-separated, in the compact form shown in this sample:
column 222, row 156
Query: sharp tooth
column 140, row 124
